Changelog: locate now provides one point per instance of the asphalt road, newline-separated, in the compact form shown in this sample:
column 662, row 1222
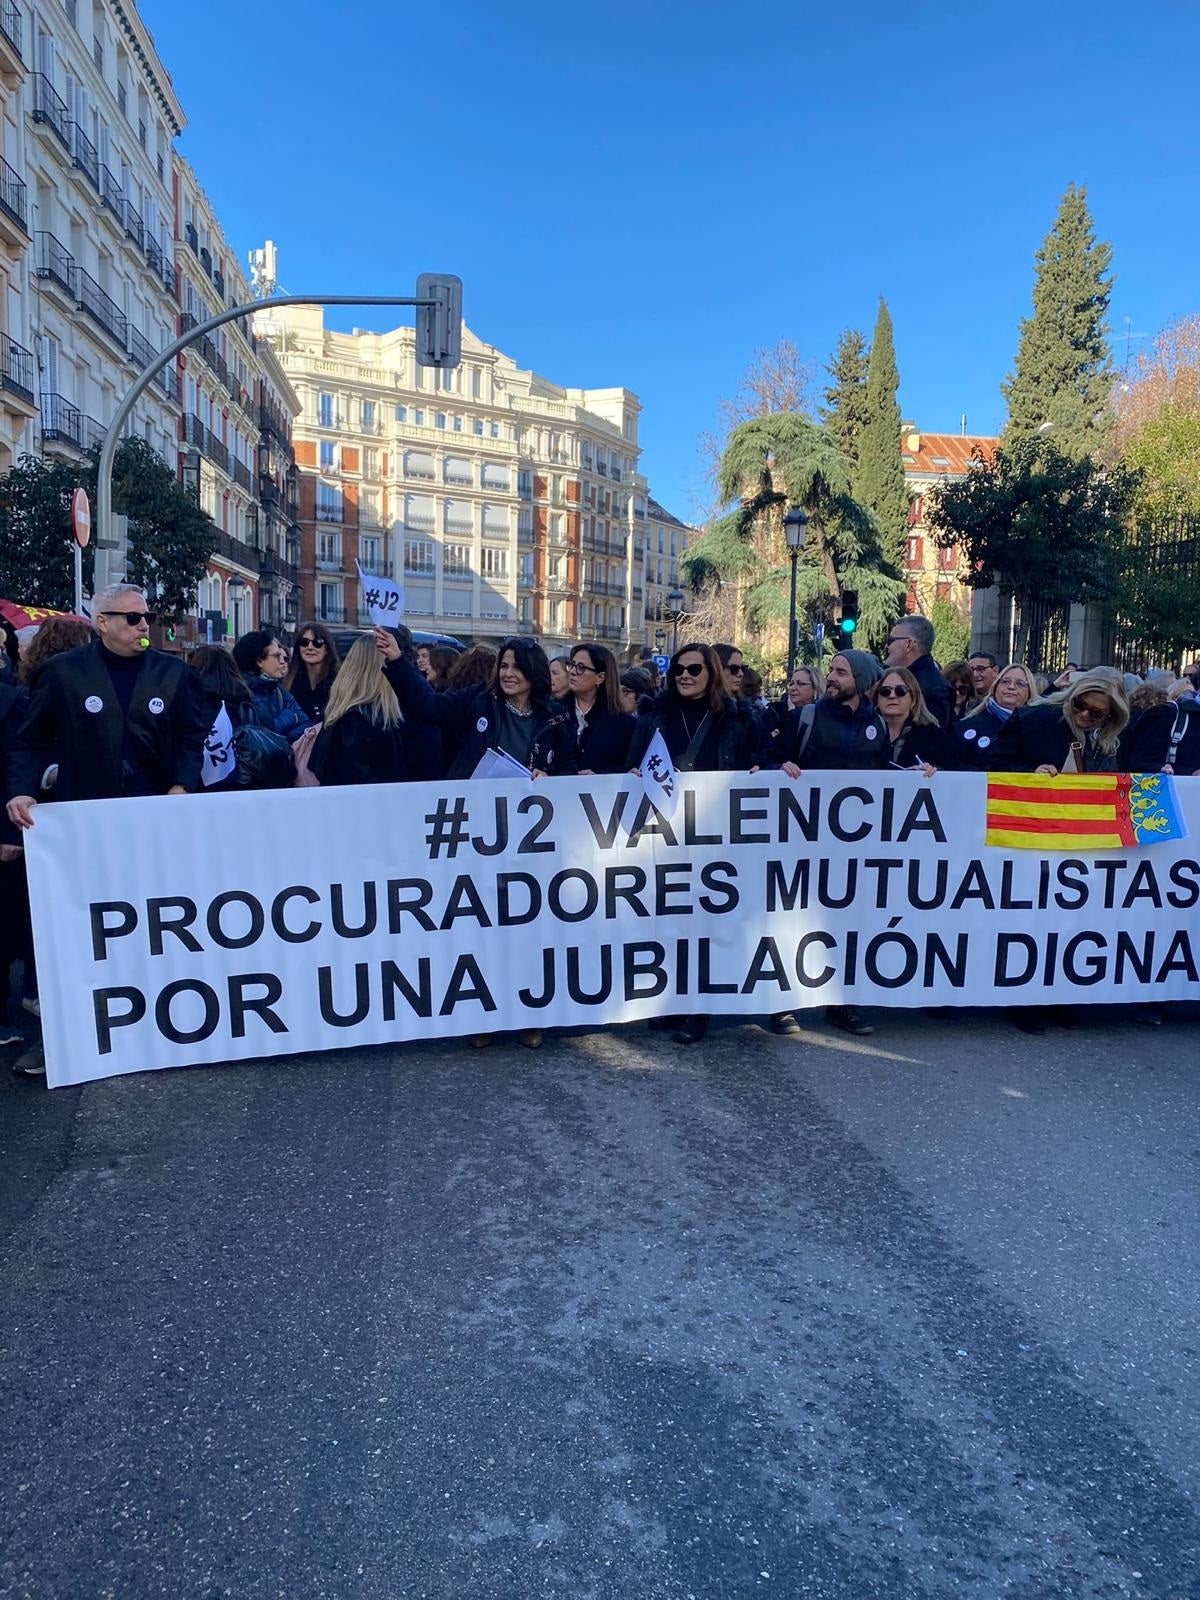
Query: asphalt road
column 905, row 1317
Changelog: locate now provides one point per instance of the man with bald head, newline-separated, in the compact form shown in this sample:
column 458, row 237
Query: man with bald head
column 112, row 718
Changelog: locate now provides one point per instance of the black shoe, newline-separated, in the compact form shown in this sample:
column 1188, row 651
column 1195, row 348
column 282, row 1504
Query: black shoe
column 32, row 1064
column 1030, row 1019
column 849, row 1020
column 692, row 1030
column 785, row 1025
column 664, row 1024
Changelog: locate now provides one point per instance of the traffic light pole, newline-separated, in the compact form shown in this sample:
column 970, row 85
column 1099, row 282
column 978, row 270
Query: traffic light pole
column 441, row 332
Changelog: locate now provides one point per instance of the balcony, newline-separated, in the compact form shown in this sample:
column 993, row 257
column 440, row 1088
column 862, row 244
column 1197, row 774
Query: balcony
column 111, row 196
column 84, row 157
column 328, row 562
column 62, row 423
column 331, row 613
column 131, row 221
column 275, row 566
column 142, row 353
column 12, row 65
column 197, row 434
column 243, row 477
column 16, row 378
column 50, row 110
column 14, row 228
column 330, row 514
column 192, row 237
column 101, row 307
column 158, row 261
column 235, row 550
column 55, row 263
column 273, row 421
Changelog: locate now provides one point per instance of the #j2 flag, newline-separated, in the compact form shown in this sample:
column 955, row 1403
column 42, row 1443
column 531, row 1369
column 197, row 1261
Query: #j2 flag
column 1087, row 811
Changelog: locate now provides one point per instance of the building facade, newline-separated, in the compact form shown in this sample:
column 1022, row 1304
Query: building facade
column 504, row 503
column 235, row 450
column 931, row 459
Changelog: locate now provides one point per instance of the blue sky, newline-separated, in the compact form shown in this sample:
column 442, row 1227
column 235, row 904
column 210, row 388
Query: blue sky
column 642, row 194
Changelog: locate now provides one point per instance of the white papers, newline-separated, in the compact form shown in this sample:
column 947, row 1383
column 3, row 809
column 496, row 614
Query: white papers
column 383, row 598
column 219, row 756
column 499, row 764
column 659, row 779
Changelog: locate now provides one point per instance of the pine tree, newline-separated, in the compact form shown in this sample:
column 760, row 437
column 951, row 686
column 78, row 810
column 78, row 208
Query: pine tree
column 1062, row 374
column 845, row 408
column 879, row 476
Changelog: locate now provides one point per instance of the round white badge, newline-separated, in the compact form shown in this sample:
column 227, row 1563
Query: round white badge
column 872, row 732
column 93, row 703
column 971, row 733
column 157, row 707
column 481, row 725
column 984, row 742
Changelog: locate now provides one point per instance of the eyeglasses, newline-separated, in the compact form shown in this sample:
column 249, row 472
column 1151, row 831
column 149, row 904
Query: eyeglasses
column 132, row 617
column 690, row 669
column 891, row 691
column 735, row 672
column 311, row 644
column 581, row 666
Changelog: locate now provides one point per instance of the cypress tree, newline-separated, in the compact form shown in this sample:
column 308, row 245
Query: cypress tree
column 1062, row 374
column 879, row 477
column 845, row 408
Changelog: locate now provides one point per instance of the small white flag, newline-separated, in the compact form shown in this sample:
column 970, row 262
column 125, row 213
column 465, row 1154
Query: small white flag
column 499, row 764
column 219, row 756
column 383, row 598
column 659, row 778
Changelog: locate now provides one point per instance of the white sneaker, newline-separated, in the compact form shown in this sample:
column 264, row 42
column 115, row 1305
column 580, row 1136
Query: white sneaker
column 10, row 1036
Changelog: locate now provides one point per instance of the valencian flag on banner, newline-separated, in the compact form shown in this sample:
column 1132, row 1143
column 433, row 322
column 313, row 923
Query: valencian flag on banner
column 1087, row 811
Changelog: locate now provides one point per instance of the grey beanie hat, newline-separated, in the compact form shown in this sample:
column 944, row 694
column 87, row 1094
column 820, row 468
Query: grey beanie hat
column 864, row 666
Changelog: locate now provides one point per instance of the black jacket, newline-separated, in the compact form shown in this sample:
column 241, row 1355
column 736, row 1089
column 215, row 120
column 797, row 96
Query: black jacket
column 840, row 740
column 935, row 689
column 1150, row 741
column 14, row 704
column 75, row 720
column 311, row 701
column 603, row 742
column 355, row 749
column 975, row 735
column 1041, row 736
column 735, row 745
column 473, row 715
column 926, row 743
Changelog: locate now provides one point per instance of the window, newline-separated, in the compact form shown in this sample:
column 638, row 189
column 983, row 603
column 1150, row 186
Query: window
column 329, row 602
column 326, row 454
column 418, row 511
column 439, row 420
column 494, row 564
column 525, row 523
column 329, row 503
column 368, row 416
column 368, row 553
column 401, row 413
column 525, row 572
column 914, row 552
column 419, row 417
column 556, row 527
column 368, row 506
column 446, row 378
column 456, row 560
column 418, row 464
column 325, row 410
column 477, row 426
column 495, row 522
column 458, row 424
column 525, row 483
column 329, row 549
column 370, row 462
column 458, row 517
column 457, row 469
column 494, row 429
column 496, row 477
column 916, row 509
column 98, row 53
column 418, row 558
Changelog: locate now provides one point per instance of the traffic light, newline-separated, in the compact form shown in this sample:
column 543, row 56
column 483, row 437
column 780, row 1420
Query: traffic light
column 439, row 325
column 849, row 622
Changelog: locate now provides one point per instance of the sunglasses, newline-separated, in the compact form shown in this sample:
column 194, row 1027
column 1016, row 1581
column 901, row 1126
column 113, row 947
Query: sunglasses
column 735, row 671
column 1082, row 709
column 896, row 638
column 690, row 669
column 132, row 617
column 311, row 644
column 891, row 691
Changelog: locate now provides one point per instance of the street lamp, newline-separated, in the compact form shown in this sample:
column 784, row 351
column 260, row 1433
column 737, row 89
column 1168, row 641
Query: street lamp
column 795, row 524
column 235, row 585
column 675, row 602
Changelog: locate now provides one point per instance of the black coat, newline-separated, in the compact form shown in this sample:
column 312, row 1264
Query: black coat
column 735, row 746
column 1150, row 741
column 927, row 743
column 1040, row 736
column 473, row 715
column 938, row 696
column 840, row 741
column 75, row 720
column 14, row 704
column 312, row 701
column 356, row 749
column 603, row 743
column 975, row 735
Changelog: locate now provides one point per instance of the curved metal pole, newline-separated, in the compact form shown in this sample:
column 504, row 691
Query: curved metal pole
column 112, row 438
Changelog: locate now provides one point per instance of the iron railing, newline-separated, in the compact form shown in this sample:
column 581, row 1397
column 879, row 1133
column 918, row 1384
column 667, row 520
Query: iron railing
column 13, row 196
column 61, row 421
column 101, row 307
column 55, row 261
column 50, row 108
column 10, row 25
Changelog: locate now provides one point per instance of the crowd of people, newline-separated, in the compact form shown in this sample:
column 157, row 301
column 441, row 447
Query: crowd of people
column 93, row 711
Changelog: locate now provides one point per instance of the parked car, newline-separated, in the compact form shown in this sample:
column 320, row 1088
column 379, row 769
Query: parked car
column 345, row 637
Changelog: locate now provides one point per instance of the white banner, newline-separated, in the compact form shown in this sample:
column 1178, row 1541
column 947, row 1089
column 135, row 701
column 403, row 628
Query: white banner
column 211, row 928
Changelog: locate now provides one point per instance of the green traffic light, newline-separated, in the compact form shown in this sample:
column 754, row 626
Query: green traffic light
column 848, row 624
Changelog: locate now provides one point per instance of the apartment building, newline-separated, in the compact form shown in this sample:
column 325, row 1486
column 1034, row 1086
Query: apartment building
column 666, row 539
column 96, row 141
column 930, row 459
column 235, row 451
column 503, row 502
column 18, row 369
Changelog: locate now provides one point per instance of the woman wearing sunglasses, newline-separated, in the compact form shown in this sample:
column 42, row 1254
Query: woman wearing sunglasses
column 312, row 670
column 917, row 739
column 603, row 726
column 1079, row 730
column 705, row 731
